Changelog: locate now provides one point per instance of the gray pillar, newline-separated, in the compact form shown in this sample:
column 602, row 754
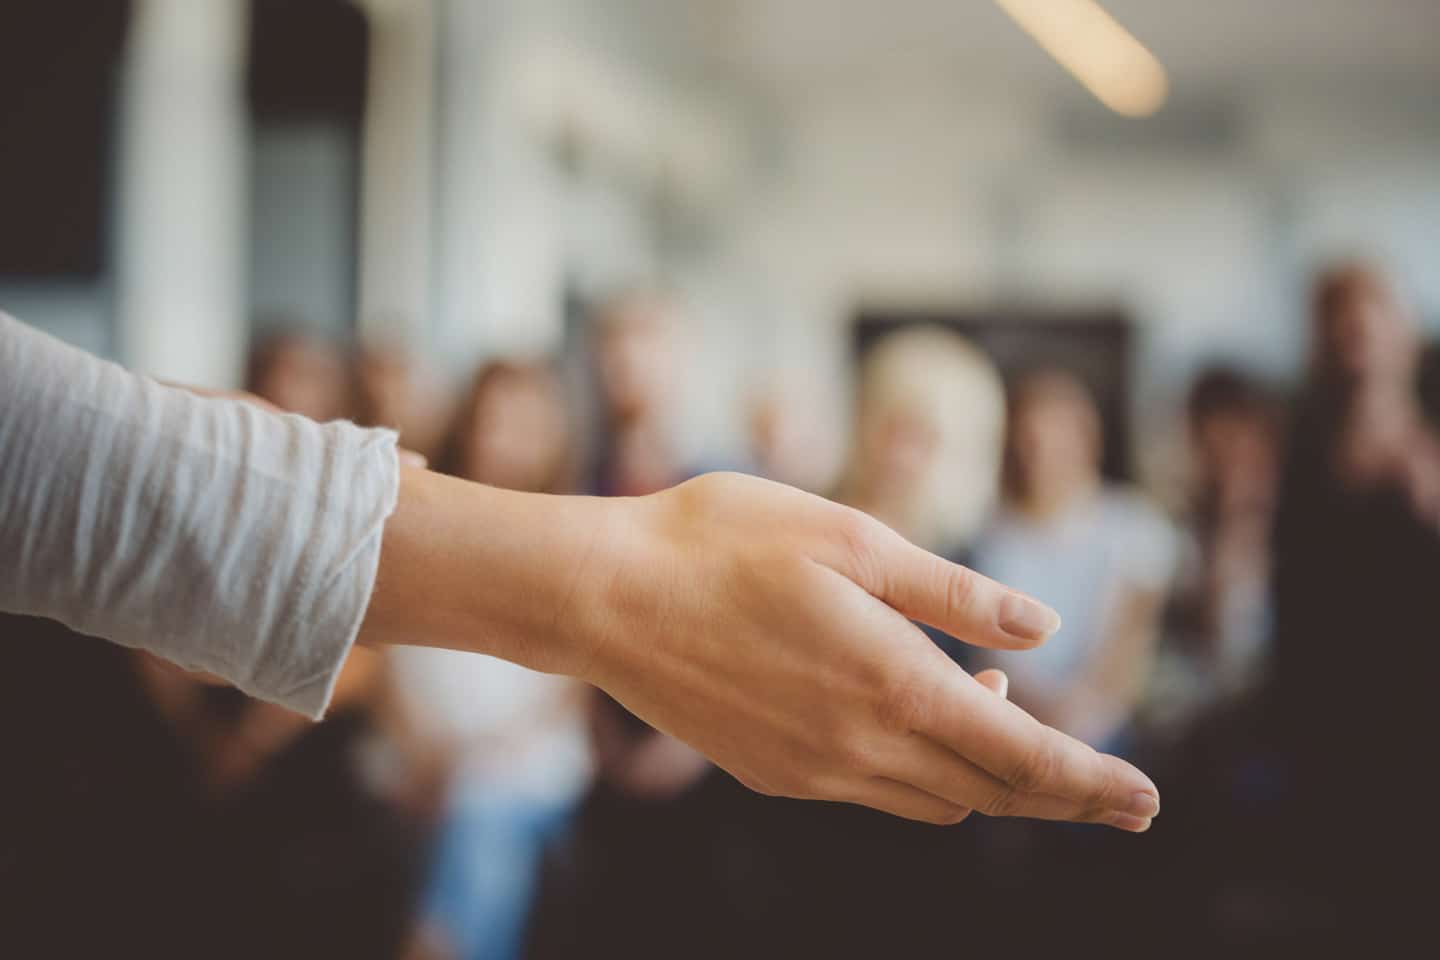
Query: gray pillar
column 396, row 194
column 181, row 231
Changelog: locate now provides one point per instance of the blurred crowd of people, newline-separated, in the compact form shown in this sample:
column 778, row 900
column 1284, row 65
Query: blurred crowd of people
column 1259, row 648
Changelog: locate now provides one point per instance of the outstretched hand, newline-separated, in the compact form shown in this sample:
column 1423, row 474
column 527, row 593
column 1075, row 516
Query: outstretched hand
column 771, row 630
column 768, row 628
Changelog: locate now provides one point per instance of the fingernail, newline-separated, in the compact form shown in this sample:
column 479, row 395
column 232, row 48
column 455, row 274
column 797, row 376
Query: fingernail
column 1125, row 821
column 1027, row 619
column 1143, row 805
column 1002, row 685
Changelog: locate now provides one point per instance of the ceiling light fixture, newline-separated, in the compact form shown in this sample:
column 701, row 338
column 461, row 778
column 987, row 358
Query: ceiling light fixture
column 1100, row 53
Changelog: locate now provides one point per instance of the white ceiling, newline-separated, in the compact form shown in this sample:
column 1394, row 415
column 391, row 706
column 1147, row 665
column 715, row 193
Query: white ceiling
column 1197, row 39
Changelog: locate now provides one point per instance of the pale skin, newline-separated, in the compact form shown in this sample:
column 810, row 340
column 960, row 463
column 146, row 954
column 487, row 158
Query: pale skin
column 768, row 628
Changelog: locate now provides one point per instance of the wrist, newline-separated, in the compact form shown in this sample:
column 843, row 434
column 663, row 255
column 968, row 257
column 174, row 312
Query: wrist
column 520, row 576
column 553, row 569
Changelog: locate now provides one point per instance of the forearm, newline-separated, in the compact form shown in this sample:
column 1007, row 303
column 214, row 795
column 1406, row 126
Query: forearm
column 217, row 535
column 232, row 540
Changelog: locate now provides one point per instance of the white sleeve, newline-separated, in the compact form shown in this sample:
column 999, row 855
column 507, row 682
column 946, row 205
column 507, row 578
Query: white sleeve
column 207, row 531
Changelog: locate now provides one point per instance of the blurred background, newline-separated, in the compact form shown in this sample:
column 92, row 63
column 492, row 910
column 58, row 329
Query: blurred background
column 1130, row 310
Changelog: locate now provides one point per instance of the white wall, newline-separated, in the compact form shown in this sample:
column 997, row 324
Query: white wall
column 559, row 123
column 182, row 227
column 938, row 190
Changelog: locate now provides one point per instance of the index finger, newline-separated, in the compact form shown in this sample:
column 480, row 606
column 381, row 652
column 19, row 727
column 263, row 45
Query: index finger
column 967, row 605
column 1028, row 756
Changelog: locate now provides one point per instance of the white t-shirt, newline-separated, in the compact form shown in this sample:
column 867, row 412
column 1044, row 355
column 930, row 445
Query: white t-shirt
column 519, row 731
column 210, row 532
column 1079, row 562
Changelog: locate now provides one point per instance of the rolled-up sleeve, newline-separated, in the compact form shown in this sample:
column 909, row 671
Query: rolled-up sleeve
column 210, row 532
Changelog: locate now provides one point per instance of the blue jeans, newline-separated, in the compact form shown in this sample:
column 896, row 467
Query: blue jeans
column 486, row 870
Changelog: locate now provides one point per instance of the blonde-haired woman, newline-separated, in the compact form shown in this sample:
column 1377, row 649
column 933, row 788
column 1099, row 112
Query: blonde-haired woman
column 928, row 441
column 929, row 434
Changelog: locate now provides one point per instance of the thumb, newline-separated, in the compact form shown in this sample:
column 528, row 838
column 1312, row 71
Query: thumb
column 995, row 681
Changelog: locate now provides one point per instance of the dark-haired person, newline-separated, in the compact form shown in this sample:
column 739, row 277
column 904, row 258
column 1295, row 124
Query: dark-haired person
column 303, row 374
column 516, row 740
column 1220, row 618
column 1103, row 552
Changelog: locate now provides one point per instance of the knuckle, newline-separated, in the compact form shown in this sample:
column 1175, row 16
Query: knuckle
column 961, row 586
column 854, row 751
column 903, row 705
column 1102, row 794
column 1036, row 769
column 858, row 541
column 1003, row 801
column 707, row 495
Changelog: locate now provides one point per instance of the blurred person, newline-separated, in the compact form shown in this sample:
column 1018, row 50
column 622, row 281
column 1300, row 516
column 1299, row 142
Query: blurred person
column 787, row 443
column 636, row 360
column 1355, row 550
column 1104, row 553
column 393, row 390
column 301, row 374
column 929, row 425
column 1357, row 553
column 1220, row 617
column 1354, row 555
column 639, row 823
column 516, row 738
column 637, row 365
column 1362, row 457
column 511, row 429
column 1429, row 383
